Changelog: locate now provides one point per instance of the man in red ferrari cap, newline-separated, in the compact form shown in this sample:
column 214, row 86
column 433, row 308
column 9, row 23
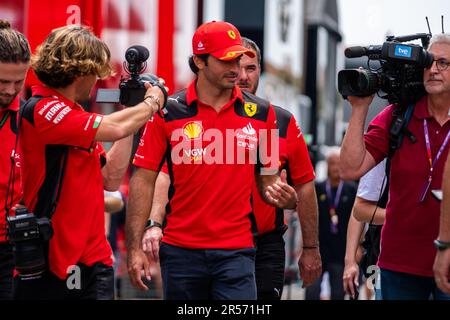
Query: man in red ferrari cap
column 207, row 251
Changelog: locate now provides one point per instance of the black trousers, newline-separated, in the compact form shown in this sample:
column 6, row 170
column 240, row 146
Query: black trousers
column 94, row 282
column 6, row 271
column 207, row 274
column 269, row 266
column 336, row 271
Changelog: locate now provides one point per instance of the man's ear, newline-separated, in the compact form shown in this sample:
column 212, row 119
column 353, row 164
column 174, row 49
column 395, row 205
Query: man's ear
column 200, row 63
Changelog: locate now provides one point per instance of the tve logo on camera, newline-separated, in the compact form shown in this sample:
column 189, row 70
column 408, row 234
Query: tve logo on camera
column 403, row 51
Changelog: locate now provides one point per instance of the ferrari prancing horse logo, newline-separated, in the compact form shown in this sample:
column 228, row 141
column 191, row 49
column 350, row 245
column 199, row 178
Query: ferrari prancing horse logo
column 231, row 34
column 250, row 108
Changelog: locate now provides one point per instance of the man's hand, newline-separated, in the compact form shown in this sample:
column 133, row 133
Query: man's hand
column 351, row 279
column 310, row 266
column 441, row 270
column 280, row 194
column 137, row 265
column 360, row 102
column 156, row 93
column 150, row 243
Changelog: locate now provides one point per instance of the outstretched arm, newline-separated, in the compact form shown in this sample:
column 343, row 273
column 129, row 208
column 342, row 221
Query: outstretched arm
column 123, row 123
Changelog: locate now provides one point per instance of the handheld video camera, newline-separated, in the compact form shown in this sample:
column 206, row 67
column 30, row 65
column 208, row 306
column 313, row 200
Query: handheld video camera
column 28, row 235
column 400, row 76
column 132, row 90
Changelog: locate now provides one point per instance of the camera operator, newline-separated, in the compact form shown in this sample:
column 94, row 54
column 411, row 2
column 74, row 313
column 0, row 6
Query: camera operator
column 14, row 64
column 412, row 214
column 68, row 63
column 441, row 265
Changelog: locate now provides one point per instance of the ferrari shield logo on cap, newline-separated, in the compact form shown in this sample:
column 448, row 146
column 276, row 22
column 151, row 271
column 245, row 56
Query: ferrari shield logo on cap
column 250, row 108
column 231, row 34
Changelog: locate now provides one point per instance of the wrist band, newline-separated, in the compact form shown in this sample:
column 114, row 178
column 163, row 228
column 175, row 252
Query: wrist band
column 151, row 223
column 311, row 247
column 441, row 245
column 154, row 99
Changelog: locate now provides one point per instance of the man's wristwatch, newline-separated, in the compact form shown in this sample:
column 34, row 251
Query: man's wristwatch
column 441, row 245
column 150, row 224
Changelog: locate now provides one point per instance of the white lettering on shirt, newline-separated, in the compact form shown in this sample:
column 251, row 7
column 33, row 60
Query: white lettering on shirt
column 61, row 115
column 46, row 106
column 53, row 110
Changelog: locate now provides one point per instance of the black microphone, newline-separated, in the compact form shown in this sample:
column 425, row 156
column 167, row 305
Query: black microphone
column 137, row 54
column 356, row 52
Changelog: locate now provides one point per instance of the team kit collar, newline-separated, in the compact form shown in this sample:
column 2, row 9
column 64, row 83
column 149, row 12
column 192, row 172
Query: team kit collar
column 13, row 106
column 42, row 90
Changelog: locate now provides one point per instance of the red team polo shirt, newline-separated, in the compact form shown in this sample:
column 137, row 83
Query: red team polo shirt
column 210, row 206
column 8, row 140
column 78, row 222
column 410, row 226
column 294, row 157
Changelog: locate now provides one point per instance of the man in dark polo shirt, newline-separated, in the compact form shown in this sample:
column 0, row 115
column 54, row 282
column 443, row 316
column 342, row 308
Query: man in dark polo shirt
column 14, row 64
column 207, row 251
column 55, row 131
column 412, row 213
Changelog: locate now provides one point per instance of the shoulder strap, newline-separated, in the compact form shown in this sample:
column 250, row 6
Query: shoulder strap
column 383, row 198
column 13, row 123
column 400, row 120
column 49, row 192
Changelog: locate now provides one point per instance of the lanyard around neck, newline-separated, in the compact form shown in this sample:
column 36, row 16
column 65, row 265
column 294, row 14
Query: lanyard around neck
column 431, row 162
column 333, row 204
column 5, row 117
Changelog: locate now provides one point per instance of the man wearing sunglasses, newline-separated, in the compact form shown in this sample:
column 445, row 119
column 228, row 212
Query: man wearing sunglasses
column 412, row 213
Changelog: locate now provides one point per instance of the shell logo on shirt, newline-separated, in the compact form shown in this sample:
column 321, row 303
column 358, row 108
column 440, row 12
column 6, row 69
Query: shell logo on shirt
column 193, row 130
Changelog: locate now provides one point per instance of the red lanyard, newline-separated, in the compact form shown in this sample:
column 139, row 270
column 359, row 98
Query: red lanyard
column 430, row 159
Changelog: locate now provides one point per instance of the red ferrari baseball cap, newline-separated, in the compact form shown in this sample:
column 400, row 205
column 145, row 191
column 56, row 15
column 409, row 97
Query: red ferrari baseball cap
column 220, row 39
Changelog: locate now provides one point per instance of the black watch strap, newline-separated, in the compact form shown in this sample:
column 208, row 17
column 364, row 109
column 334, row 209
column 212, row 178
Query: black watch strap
column 442, row 245
column 150, row 224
